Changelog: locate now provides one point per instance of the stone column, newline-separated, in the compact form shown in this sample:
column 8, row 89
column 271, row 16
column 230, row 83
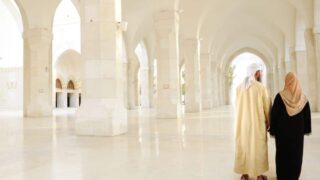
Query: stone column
column 270, row 80
column 145, row 99
column 37, row 74
column 62, row 98
column 102, row 111
column 302, row 70
column 312, row 69
column 167, row 53
column 206, row 81
column 215, row 85
column 221, row 87
column 316, row 32
column 132, row 89
column 293, row 60
column 281, row 73
column 191, row 54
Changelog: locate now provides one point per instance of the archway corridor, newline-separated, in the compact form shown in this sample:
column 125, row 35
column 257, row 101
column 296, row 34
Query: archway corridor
column 143, row 89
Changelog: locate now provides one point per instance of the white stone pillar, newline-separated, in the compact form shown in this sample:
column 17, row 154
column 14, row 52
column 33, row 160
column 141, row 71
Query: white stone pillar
column 132, row 89
column 145, row 99
column 302, row 71
column 206, row 81
column 281, row 73
column 221, row 88
column 215, row 85
column 62, row 98
column 312, row 69
column 102, row 111
column 167, row 53
column 316, row 31
column 192, row 56
column 74, row 99
column 270, row 80
column 317, row 46
column 293, row 60
column 37, row 74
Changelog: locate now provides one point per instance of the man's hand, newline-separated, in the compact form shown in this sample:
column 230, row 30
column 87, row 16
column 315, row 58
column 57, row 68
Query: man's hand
column 267, row 125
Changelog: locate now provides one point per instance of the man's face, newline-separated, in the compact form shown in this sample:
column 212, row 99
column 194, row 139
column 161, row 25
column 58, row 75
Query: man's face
column 258, row 76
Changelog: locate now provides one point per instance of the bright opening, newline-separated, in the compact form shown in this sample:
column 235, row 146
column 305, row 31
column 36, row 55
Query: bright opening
column 144, row 88
column 238, row 71
column 11, row 57
column 66, row 43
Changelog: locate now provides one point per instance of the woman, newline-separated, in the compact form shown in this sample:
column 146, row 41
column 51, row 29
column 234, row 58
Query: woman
column 290, row 121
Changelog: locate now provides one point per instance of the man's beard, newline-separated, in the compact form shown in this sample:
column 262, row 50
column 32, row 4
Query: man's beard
column 258, row 79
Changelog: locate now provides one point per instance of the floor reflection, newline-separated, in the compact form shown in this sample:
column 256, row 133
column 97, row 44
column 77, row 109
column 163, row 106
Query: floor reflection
column 197, row 146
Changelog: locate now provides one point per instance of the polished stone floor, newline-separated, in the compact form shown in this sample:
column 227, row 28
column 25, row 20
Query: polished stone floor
column 197, row 146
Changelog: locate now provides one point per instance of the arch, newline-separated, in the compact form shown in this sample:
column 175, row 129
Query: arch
column 262, row 56
column 257, row 29
column 75, row 7
column 142, row 54
column 69, row 65
column 226, row 64
column 206, row 16
column 66, row 29
column 16, row 12
column 70, row 85
column 232, row 81
column 259, row 45
column 144, row 76
column 58, row 84
column 11, row 55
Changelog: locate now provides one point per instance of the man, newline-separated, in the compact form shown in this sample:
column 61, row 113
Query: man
column 252, row 111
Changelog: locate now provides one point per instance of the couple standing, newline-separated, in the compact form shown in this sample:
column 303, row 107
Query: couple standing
column 288, row 120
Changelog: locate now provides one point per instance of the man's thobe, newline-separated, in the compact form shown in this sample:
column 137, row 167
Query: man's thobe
column 252, row 111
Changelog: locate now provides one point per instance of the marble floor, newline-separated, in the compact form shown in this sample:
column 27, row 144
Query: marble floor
column 197, row 146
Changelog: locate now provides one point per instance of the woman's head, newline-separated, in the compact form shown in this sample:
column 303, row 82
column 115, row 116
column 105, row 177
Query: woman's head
column 292, row 83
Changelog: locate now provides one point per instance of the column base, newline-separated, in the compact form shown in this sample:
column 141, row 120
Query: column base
column 192, row 108
column 168, row 111
column 39, row 111
column 206, row 104
column 101, row 117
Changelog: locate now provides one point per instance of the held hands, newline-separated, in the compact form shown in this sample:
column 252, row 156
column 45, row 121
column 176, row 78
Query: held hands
column 267, row 125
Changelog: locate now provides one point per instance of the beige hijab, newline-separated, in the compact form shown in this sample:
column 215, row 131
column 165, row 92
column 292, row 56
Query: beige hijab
column 292, row 95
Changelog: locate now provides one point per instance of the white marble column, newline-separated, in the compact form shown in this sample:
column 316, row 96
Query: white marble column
column 62, row 98
column 215, row 85
column 192, row 75
column 146, row 90
column 132, row 89
column 312, row 68
column 270, row 79
column 37, row 74
column 102, row 111
column 167, row 54
column 221, row 87
column 302, row 70
column 206, row 81
column 317, row 48
column 281, row 73
column 316, row 32
column 293, row 60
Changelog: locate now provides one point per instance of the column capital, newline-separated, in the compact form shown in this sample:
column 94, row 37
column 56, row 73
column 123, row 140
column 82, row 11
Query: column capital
column 38, row 37
column 43, row 33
